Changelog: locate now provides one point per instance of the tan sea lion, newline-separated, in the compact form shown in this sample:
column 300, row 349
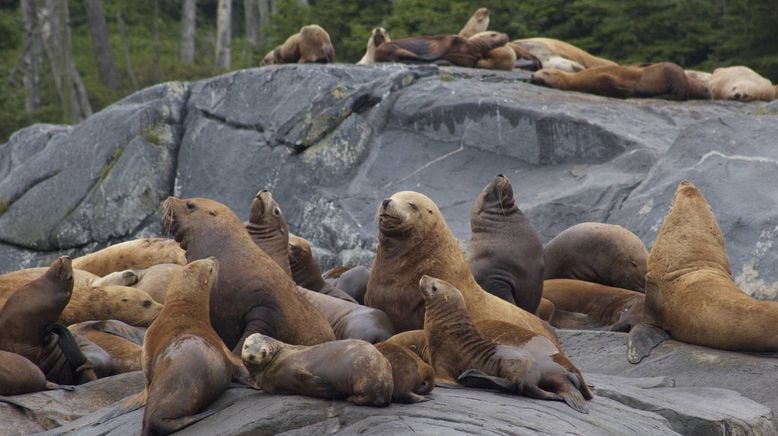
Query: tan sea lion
column 20, row 376
column 531, row 365
column 698, row 84
column 463, row 52
column 348, row 369
column 547, row 48
column 477, row 23
column 661, row 80
column 601, row 253
column 378, row 36
column 351, row 320
column 310, row 45
column 498, row 58
column 28, row 326
column 269, row 230
column 740, row 83
column 604, row 307
column 545, row 309
column 506, row 257
column 411, row 376
column 306, row 271
column 690, row 294
column 137, row 254
column 252, row 294
column 413, row 340
column 524, row 59
column 562, row 64
column 415, row 240
column 121, row 341
column 154, row 279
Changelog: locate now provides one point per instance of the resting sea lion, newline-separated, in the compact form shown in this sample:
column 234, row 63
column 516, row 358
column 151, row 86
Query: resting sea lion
column 545, row 309
column 531, row 365
column 690, row 294
column 306, row 271
column 740, row 83
column 348, row 369
column 269, row 230
column 415, row 240
column 464, row 52
column 604, row 307
column 662, row 80
column 310, row 45
column 137, row 254
column 20, row 376
column 354, row 282
column 378, row 36
column 252, row 294
column 601, row 253
column 498, row 58
column 413, row 340
column 506, row 257
column 351, row 320
column 154, row 279
column 121, row 341
column 477, row 23
column 524, row 59
column 411, row 376
column 698, row 84
column 548, row 48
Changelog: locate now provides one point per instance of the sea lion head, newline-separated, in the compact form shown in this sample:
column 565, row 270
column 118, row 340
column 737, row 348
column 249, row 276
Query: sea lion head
column 489, row 40
column 549, row 77
column 481, row 15
column 130, row 305
column 743, row 91
column 299, row 250
column 266, row 213
column 201, row 272
column 378, row 37
column 259, row 350
column 497, row 195
column 184, row 216
column 407, row 213
column 436, row 292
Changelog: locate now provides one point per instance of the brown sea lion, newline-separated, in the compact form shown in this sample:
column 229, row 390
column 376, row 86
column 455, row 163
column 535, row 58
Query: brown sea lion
column 740, row 83
column 411, row 376
column 498, row 58
column 457, row 50
column 415, row 240
column 524, row 59
column 28, row 326
column 306, row 271
column 378, row 36
column 690, row 294
column 604, row 307
column 20, row 376
column 351, row 320
column 531, row 364
column 661, row 80
column 137, row 254
column 548, row 48
column 601, row 253
column 354, row 283
column 252, row 294
column 413, row 340
column 698, row 84
column 310, row 45
column 349, row 369
column 545, row 310
column 477, row 23
column 506, row 257
column 269, row 230
column 121, row 341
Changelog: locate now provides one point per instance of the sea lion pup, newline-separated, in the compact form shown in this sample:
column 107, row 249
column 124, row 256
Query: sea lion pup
column 690, row 295
column 310, row 45
column 596, row 252
column 414, row 240
column 20, row 376
column 548, row 48
column 478, row 23
column 136, row 254
column 252, row 294
column 306, row 271
column 464, row 52
column 269, row 230
column 662, row 80
column 378, row 36
column 461, row 354
column 411, row 376
column 602, row 307
column 499, row 58
column 351, row 320
column 348, row 369
column 121, row 341
column 27, row 326
column 740, row 83
column 506, row 257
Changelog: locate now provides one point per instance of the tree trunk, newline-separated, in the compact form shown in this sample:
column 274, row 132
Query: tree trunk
column 223, row 35
column 265, row 10
column 156, row 75
column 188, row 26
column 126, row 50
column 101, row 43
column 32, row 56
column 251, row 14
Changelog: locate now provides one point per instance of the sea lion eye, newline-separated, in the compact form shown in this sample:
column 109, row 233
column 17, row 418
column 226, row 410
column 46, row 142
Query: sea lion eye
column 413, row 206
column 147, row 303
column 124, row 300
column 190, row 205
column 276, row 211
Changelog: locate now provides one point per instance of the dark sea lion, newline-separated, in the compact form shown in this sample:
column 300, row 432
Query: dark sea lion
column 690, row 294
column 348, row 369
column 137, row 254
column 354, row 282
column 506, row 256
column 463, row 52
column 604, row 307
column 477, row 23
column 601, row 253
column 121, row 341
column 269, row 230
column 351, row 320
column 310, row 45
column 20, row 376
column 378, row 36
column 252, row 294
column 530, row 365
column 412, row 377
column 306, row 271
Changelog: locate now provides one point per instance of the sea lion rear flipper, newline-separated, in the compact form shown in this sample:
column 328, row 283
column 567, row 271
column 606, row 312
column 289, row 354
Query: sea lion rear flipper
column 124, row 406
column 574, row 399
column 81, row 367
column 642, row 339
column 475, row 378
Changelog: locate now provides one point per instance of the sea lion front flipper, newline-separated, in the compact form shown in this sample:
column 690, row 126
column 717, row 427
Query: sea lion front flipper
column 170, row 425
column 127, row 277
column 125, row 406
column 413, row 398
column 475, row 378
column 572, row 396
column 53, row 386
column 642, row 339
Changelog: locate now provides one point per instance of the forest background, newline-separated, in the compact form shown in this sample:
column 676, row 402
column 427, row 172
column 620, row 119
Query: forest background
column 61, row 60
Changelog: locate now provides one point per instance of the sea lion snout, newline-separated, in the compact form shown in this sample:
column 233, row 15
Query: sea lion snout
column 385, row 203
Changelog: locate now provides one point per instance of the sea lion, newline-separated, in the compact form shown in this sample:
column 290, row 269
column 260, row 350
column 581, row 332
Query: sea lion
column 690, row 294
column 310, row 45
column 698, row 84
column 740, row 83
column 348, row 369
column 498, row 58
column 136, row 254
column 463, row 52
column 28, row 326
column 378, row 36
column 20, row 376
column 269, row 230
column 545, row 310
column 506, row 256
column 415, row 240
column 548, row 48
column 604, row 307
column 306, row 271
column 413, row 340
column 601, row 253
column 252, row 294
column 121, row 341
column 154, row 279
column 524, row 59
column 351, row 320
column 562, row 64
column 477, row 23
column 411, row 376
column 531, row 364
column 354, row 283
column 662, row 80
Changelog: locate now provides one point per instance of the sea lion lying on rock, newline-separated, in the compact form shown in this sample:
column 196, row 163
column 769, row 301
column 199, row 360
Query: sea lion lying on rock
column 463, row 52
column 310, row 45
column 740, row 83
